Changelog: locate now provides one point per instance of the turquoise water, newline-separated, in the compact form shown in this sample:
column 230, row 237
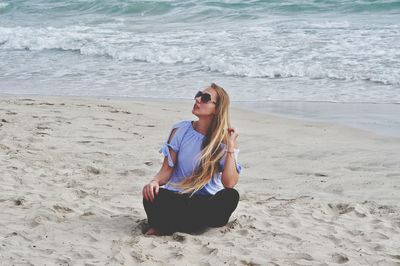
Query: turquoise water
column 335, row 51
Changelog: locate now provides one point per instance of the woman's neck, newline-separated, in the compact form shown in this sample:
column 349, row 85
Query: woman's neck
column 202, row 126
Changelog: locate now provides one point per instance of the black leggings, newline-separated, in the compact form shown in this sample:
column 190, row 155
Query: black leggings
column 173, row 212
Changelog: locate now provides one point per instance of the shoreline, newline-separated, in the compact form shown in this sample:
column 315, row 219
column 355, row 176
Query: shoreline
column 376, row 118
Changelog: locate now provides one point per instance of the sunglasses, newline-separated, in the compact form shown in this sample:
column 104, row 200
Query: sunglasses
column 205, row 97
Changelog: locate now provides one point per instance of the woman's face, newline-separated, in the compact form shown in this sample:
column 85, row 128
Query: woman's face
column 205, row 109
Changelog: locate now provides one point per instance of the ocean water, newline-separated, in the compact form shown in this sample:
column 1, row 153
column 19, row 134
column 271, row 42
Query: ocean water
column 322, row 50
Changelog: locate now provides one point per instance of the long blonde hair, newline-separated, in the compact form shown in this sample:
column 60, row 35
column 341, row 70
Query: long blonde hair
column 211, row 151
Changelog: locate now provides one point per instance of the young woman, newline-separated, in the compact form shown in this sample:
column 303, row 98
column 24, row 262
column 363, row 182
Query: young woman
column 199, row 171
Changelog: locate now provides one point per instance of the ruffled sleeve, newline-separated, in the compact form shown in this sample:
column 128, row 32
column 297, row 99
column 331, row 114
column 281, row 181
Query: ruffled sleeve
column 174, row 143
column 236, row 155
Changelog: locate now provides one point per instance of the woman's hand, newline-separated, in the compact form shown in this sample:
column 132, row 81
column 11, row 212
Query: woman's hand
column 233, row 134
column 150, row 189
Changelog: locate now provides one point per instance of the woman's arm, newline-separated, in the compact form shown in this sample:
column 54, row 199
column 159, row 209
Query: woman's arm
column 230, row 176
column 166, row 171
column 162, row 177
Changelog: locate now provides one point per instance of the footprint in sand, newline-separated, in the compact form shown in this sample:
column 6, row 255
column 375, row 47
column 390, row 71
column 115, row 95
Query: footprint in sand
column 341, row 208
column 144, row 125
column 137, row 134
column 243, row 232
column 339, row 258
column 19, row 202
column 179, row 237
column 83, row 254
column 140, row 228
column 83, row 141
column 288, row 236
column 248, row 263
column 90, row 237
column 106, row 125
column 395, row 175
column 42, row 134
column 208, row 251
column 62, row 209
column 64, row 262
column 138, row 256
column 311, row 174
column 379, row 247
column 104, row 105
column 4, row 147
column 334, row 239
column 356, row 232
column 231, row 226
column 86, row 214
column 37, row 220
column 138, row 172
column 81, row 193
column 378, row 235
column 11, row 234
column 26, row 100
column 73, row 183
column 42, row 128
column 302, row 256
column 92, row 170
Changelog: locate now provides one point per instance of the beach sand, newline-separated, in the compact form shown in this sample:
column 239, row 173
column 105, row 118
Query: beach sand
column 72, row 170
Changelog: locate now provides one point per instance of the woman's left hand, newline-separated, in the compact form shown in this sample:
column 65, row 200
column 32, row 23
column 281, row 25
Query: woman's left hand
column 233, row 134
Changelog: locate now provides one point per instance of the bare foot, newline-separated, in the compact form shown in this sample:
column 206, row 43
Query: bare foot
column 151, row 231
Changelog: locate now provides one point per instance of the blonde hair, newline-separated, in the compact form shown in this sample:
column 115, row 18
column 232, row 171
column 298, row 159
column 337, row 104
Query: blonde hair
column 211, row 151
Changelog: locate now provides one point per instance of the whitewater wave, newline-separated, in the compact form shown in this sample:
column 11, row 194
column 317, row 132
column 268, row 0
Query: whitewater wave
column 188, row 49
column 3, row 5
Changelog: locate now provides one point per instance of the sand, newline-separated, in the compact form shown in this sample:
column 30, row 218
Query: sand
column 72, row 170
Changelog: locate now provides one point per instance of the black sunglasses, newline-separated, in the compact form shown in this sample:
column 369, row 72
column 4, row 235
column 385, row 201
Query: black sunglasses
column 205, row 97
